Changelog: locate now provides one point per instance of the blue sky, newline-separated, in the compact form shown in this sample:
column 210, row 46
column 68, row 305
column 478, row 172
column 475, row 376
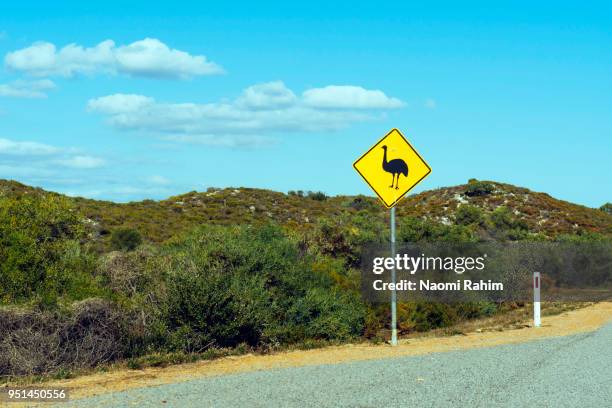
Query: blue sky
column 130, row 101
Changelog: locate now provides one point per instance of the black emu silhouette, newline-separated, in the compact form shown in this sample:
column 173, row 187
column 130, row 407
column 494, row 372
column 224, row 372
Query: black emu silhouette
column 395, row 167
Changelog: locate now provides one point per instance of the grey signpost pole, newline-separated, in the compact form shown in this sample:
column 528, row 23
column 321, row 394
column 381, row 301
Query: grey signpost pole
column 368, row 167
column 393, row 279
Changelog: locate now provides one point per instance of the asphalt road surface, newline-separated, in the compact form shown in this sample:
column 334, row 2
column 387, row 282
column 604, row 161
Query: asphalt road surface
column 572, row 371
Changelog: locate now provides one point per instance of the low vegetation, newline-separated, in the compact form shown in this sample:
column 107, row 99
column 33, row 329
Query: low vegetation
column 85, row 282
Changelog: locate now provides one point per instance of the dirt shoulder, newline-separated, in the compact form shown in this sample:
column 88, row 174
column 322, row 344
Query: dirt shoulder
column 576, row 321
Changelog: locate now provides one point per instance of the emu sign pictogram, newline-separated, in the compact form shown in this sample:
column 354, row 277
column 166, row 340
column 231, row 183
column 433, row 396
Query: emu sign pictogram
column 392, row 160
column 392, row 167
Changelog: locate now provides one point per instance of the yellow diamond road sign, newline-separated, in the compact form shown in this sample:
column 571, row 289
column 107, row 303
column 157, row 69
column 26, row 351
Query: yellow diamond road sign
column 392, row 167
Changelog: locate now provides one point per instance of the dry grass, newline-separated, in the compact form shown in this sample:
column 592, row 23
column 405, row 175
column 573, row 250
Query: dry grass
column 512, row 328
column 36, row 342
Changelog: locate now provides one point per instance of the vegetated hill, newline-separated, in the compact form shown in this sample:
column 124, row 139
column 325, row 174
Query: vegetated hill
column 77, row 289
column 160, row 220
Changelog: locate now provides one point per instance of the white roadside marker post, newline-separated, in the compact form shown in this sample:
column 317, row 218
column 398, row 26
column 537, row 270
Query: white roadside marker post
column 537, row 282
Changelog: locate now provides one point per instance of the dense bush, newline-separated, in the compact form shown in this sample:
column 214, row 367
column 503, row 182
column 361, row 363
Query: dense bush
column 40, row 254
column 429, row 316
column 218, row 286
column 125, row 239
column 317, row 195
column 472, row 310
column 504, row 225
column 345, row 237
column 227, row 286
column 361, row 203
column 468, row 214
column 478, row 188
column 607, row 208
column 411, row 229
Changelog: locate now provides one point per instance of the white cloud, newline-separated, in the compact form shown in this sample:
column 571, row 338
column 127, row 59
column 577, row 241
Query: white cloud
column 45, row 156
column 84, row 193
column 148, row 58
column 153, row 58
column 268, row 107
column 120, row 193
column 430, row 103
column 27, row 89
column 215, row 118
column 119, row 103
column 349, row 97
column 82, row 162
column 18, row 148
column 43, row 59
column 237, row 141
column 159, row 180
column 41, row 164
column 269, row 95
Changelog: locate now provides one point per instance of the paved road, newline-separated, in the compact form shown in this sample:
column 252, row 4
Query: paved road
column 573, row 371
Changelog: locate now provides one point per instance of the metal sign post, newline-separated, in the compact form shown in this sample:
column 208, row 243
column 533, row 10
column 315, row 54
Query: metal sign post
column 392, row 159
column 537, row 282
column 393, row 279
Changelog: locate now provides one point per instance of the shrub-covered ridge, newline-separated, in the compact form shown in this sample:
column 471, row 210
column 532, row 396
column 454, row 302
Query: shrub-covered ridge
column 85, row 282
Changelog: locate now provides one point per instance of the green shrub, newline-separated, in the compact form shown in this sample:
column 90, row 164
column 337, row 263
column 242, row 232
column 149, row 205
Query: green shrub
column 344, row 237
column 502, row 218
column 317, row 195
column 320, row 314
column 429, row 316
column 360, row 203
column 607, row 208
column 468, row 214
column 412, row 229
column 504, row 225
column 40, row 255
column 473, row 310
column 227, row 286
column 125, row 239
column 478, row 188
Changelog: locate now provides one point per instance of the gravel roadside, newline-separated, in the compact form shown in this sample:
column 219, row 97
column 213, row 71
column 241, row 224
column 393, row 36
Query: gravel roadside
column 556, row 372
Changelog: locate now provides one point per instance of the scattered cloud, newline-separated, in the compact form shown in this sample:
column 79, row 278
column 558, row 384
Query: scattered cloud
column 153, row 58
column 349, row 97
column 120, row 103
column 82, row 162
column 19, row 148
column 42, row 155
column 84, row 193
column 159, row 180
column 27, row 89
column 145, row 58
column 234, row 141
column 263, row 108
column 57, row 168
column 430, row 103
column 268, row 95
column 121, row 192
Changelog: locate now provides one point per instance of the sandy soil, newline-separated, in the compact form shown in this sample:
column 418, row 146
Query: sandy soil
column 576, row 321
